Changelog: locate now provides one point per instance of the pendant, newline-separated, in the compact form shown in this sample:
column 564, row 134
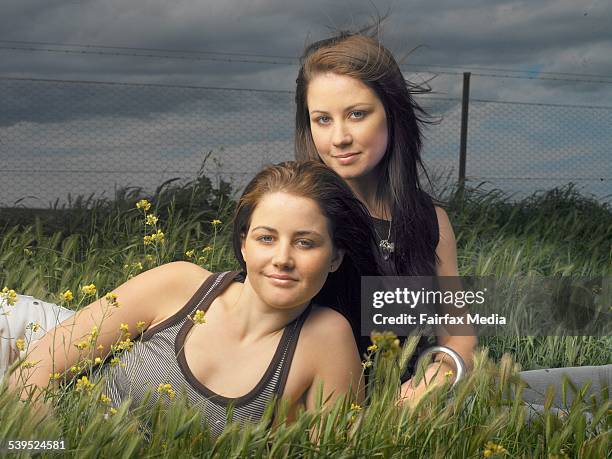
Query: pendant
column 386, row 248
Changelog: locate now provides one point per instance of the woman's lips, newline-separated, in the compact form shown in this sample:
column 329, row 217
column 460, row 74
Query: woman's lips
column 347, row 158
column 281, row 280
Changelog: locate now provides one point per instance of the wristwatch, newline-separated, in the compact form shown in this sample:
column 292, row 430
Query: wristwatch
column 459, row 363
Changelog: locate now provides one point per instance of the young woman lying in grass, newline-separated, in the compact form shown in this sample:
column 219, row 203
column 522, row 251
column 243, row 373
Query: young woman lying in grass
column 223, row 338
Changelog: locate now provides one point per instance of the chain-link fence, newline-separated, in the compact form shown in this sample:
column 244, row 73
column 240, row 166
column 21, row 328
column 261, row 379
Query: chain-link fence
column 78, row 138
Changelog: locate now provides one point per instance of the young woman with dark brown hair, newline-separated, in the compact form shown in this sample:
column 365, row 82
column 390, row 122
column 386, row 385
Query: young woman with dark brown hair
column 355, row 113
column 296, row 224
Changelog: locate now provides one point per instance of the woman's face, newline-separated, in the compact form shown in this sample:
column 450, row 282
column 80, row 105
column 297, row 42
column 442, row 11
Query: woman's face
column 348, row 124
column 288, row 250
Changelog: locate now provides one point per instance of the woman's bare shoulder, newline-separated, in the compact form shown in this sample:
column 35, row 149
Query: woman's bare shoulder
column 327, row 327
column 180, row 280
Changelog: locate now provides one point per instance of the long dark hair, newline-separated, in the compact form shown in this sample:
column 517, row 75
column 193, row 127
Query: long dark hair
column 347, row 217
column 361, row 56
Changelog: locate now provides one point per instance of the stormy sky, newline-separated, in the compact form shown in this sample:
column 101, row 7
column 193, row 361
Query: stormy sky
column 545, row 52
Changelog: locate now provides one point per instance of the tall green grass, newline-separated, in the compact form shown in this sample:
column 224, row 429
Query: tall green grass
column 555, row 233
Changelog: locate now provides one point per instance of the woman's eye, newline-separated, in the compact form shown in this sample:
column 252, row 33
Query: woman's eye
column 305, row 243
column 357, row 114
column 323, row 119
column 265, row 239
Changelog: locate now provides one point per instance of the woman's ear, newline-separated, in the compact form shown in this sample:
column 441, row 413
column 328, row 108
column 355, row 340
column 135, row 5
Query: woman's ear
column 336, row 260
column 242, row 243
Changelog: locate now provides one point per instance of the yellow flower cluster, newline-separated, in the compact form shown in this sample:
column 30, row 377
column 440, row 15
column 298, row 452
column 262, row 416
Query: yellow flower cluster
column 493, row 448
column 29, row 364
column 198, row 318
column 449, row 374
column 8, row 295
column 140, row 326
column 153, row 238
column 143, row 204
column 83, row 385
column 215, row 222
column 89, row 289
column 20, row 344
column 54, row 376
column 126, row 344
column 33, row 326
column 372, row 348
column 387, row 342
column 67, row 296
column 167, row 389
column 151, row 220
column 111, row 299
column 356, row 407
column 27, row 252
column 190, row 253
column 105, row 399
column 89, row 340
column 207, row 249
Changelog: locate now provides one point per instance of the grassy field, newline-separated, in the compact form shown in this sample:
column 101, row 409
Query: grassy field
column 556, row 233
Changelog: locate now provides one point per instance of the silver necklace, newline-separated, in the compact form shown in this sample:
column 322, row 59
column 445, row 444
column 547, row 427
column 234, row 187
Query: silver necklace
column 386, row 247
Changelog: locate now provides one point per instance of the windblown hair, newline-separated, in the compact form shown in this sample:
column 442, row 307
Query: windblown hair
column 361, row 56
column 347, row 218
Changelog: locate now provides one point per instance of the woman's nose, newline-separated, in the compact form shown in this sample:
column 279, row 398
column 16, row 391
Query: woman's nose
column 341, row 135
column 282, row 256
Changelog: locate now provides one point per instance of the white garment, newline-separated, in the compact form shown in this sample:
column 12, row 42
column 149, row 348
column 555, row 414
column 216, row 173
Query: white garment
column 15, row 323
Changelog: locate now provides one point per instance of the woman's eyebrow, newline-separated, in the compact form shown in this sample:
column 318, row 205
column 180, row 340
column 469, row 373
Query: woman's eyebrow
column 350, row 107
column 307, row 233
column 265, row 228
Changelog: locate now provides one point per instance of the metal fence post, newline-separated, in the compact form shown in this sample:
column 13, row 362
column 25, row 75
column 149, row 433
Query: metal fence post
column 465, row 103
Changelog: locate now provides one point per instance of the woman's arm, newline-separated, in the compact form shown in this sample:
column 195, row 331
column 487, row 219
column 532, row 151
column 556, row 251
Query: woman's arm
column 92, row 331
column 463, row 345
column 334, row 357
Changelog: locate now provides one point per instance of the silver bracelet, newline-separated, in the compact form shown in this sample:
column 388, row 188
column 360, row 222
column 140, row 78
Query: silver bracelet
column 459, row 363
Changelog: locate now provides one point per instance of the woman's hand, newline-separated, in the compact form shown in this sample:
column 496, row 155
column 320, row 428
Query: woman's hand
column 437, row 373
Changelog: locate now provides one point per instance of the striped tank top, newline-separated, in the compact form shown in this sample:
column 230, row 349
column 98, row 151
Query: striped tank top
column 158, row 358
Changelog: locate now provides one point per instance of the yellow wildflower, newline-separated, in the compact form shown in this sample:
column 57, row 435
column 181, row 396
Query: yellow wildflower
column 143, row 204
column 89, row 289
column 112, row 411
column 167, row 389
column 190, row 253
column 140, row 325
column 104, row 399
column 27, row 252
column 97, row 361
column 82, row 345
column 100, row 348
column 114, row 361
column 151, row 220
column 449, row 374
column 159, row 236
column 366, row 364
column 29, row 364
column 207, row 249
column 372, row 348
column 493, row 448
column 198, row 317
column 355, row 407
column 20, row 344
column 75, row 369
column 215, row 222
column 124, row 328
column 147, row 240
column 34, row 326
column 111, row 298
column 9, row 295
column 94, row 332
column 67, row 296
column 83, row 384
column 54, row 376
